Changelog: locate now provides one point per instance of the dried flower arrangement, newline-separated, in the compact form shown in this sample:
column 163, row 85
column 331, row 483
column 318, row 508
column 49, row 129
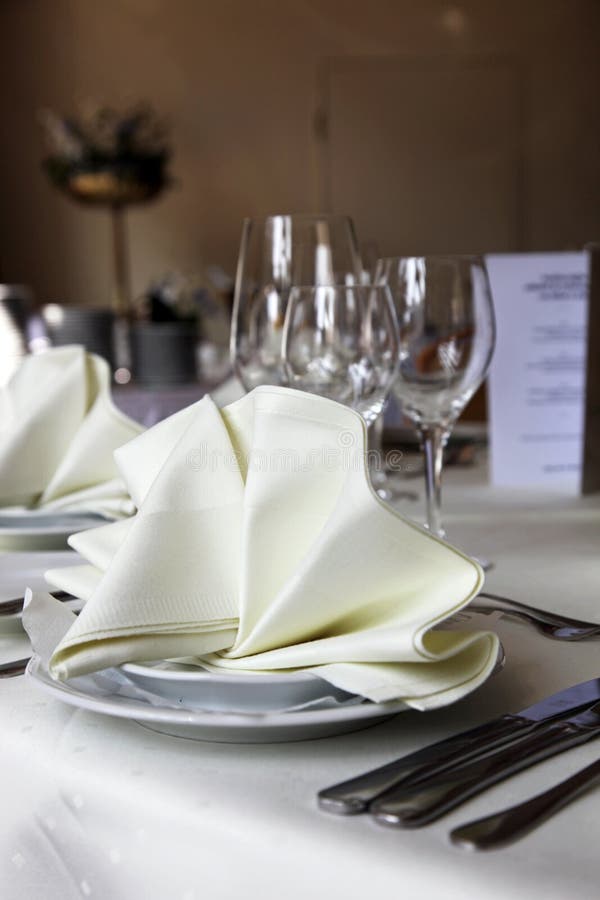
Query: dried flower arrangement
column 108, row 157
column 176, row 296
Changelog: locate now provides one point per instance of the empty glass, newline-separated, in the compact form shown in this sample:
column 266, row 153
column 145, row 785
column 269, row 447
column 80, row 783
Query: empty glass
column 342, row 343
column 276, row 254
column 447, row 333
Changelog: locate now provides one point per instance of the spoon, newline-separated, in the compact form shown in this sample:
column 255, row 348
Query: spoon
column 513, row 823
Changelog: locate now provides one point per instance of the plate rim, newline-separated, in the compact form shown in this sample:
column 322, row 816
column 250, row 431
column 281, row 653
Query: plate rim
column 208, row 718
column 79, row 522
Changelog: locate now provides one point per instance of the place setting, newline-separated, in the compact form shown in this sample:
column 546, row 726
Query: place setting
column 294, row 443
column 246, row 581
column 299, row 470
column 306, row 613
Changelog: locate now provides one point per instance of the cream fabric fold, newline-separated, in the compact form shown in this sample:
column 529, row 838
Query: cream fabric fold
column 58, row 431
column 259, row 545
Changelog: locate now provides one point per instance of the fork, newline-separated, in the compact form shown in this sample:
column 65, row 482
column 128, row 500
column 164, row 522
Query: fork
column 552, row 625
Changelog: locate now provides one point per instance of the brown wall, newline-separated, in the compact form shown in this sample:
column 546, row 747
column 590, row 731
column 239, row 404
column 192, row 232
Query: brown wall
column 238, row 79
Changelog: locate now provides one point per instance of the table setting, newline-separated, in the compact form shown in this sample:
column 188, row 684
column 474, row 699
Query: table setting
column 236, row 629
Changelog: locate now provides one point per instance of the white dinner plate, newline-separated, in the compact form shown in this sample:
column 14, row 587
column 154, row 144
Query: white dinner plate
column 33, row 530
column 228, row 691
column 114, row 694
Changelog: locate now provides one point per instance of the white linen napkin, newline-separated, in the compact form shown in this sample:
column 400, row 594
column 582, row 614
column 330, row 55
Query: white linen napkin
column 260, row 545
column 58, row 431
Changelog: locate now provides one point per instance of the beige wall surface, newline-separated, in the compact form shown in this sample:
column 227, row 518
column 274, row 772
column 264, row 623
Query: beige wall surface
column 242, row 84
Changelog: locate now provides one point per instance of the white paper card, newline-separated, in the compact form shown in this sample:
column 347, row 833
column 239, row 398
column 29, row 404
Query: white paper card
column 537, row 377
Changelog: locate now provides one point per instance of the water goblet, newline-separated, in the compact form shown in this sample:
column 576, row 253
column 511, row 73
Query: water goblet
column 276, row 254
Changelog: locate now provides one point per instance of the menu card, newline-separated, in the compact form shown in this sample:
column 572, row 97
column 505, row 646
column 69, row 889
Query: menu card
column 538, row 374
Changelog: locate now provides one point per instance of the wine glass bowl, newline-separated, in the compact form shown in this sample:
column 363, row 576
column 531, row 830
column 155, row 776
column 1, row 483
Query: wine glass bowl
column 276, row 254
column 342, row 343
column 446, row 327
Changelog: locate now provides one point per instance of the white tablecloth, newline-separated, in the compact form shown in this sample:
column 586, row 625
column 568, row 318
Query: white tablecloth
column 100, row 807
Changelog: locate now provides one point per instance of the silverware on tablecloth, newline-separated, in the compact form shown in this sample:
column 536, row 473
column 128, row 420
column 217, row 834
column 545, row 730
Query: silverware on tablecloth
column 510, row 825
column 552, row 625
column 12, row 607
column 412, row 806
column 16, row 667
column 354, row 795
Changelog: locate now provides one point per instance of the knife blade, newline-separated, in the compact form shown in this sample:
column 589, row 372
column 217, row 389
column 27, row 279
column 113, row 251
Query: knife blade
column 354, row 795
column 412, row 806
column 12, row 607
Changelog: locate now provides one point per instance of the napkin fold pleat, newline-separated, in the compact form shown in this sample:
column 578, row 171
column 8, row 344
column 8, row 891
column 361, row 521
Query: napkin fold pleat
column 260, row 545
column 289, row 496
column 141, row 461
column 109, row 499
column 173, row 568
column 32, row 442
column 89, row 459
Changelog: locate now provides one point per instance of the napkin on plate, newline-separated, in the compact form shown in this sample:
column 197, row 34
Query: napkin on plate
column 58, row 431
column 259, row 545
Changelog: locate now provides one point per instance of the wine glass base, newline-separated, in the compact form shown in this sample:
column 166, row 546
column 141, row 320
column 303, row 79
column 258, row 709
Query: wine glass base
column 486, row 564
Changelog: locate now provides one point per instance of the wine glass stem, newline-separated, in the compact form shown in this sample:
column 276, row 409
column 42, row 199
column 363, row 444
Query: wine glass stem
column 433, row 439
column 375, row 436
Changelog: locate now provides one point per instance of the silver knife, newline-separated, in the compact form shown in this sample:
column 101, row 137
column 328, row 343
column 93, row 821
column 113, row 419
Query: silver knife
column 355, row 795
column 14, row 668
column 413, row 806
column 12, row 607
column 512, row 824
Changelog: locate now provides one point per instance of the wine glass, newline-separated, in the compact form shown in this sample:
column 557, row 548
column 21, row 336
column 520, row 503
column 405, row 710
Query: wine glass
column 276, row 254
column 342, row 343
column 447, row 334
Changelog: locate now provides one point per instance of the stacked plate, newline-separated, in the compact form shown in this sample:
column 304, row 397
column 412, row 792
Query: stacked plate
column 187, row 701
column 22, row 529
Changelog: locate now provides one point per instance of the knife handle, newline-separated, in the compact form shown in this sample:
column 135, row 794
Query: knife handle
column 353, row 796
column 414, row 806
column 16, row 667
column 508, row 826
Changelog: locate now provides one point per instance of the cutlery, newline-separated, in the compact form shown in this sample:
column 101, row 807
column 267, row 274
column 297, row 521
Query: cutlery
column 512, row 824
column 354, row 795
column 412, row 806
column 16, row 667
column 553, row 625
column 11, row 607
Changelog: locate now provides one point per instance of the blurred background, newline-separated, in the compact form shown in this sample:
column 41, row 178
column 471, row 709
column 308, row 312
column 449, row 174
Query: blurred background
column 439, row 126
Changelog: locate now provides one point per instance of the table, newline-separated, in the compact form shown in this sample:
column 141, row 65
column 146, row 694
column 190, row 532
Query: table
column 100, row 807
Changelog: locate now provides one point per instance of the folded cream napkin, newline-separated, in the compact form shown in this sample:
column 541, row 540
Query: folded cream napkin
column 260, row 545
column 58, row 431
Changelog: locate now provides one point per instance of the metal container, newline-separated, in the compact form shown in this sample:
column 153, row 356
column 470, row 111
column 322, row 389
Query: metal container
column 21, row 328
column 90, row 327
column 164, row 353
